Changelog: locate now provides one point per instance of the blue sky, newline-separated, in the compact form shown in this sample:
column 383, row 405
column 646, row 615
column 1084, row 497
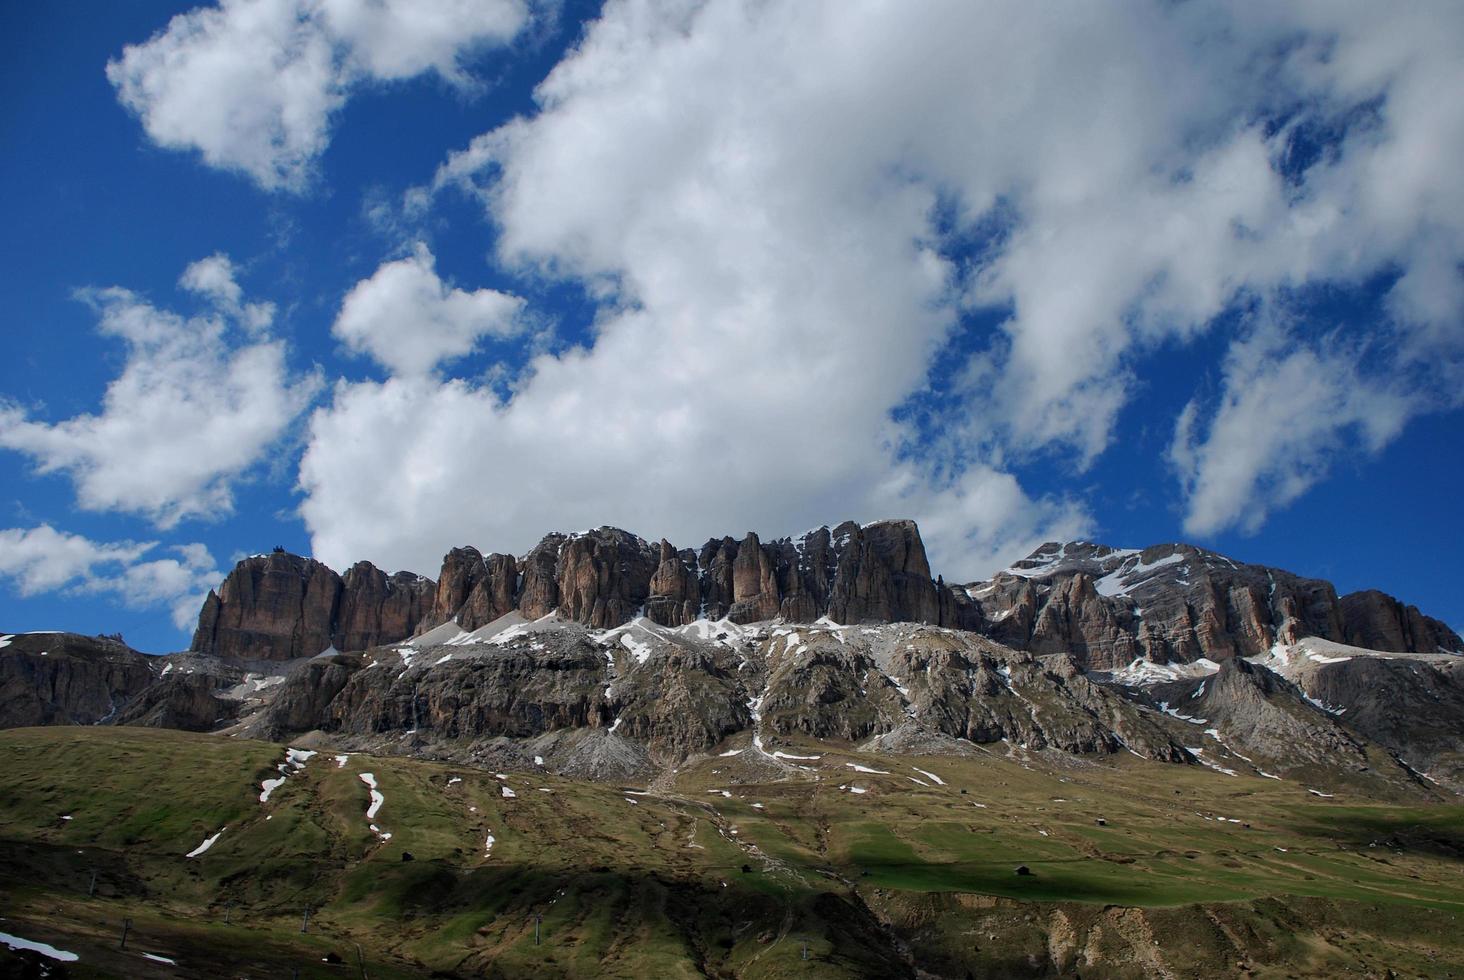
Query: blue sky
column 372, row 280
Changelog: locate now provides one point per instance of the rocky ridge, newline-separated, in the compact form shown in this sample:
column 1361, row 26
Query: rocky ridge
column 1106, row 607
column 650, row 696
column 1175, row 603
column 283, row 607
column 607, row 655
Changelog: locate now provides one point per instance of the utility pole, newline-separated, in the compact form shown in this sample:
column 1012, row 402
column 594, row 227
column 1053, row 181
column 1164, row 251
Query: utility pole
column 537, row 919
column 228, row 912
column 126, row 927
column 361, row 961
column 91, row 889
column 305, row 922
column 805, row 949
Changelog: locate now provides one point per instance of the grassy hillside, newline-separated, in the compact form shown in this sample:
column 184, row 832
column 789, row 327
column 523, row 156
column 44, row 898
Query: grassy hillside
column 732, row 868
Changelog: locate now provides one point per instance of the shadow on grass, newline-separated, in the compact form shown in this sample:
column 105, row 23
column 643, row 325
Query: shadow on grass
column 1437, row 833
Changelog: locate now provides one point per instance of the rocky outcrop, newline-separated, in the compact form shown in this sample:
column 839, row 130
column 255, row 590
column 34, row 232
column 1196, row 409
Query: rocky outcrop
column 67, row 679
column 1410, row 704
column 1267, row 718
column 519, row 692
column 1377, row 621
column 876, row 573
column 377, row 608
column 883, row 576
column 285, row 607
column 189, row 702
column 675, row 598
column 471, row 589
column 303, row 700
column 538, row 594
column 1176, row 604
column 604, row 577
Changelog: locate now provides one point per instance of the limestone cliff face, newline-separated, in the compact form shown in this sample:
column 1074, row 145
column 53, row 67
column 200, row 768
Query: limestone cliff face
column 377, row 608
column 1377, row 621
column 675, row 598
column 1103, row 606
column 66, row 679
column 284, row 607
column 875, row 573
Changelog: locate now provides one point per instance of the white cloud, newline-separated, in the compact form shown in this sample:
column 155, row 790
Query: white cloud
column 214, row 279
column 252, row 84
column 41, row 559
column 409, row 320
column 189, row 415
column 1286, row 410
column 761, row 198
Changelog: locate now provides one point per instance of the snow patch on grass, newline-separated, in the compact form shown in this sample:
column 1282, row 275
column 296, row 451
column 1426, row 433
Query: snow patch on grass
column 209, row 842
column 929, row 775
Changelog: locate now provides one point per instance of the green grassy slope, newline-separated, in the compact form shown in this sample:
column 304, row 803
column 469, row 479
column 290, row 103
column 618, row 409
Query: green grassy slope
column 724, row 871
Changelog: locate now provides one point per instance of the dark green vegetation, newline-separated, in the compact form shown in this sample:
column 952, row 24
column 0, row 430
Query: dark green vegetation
column 1190, row 873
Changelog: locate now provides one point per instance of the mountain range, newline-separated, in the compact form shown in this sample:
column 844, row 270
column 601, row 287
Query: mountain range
column 611, row 657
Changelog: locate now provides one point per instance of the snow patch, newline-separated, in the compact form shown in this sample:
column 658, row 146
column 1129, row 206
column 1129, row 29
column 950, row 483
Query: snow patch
column 930, row 775
column 209, row 842
column 46, row 950
column 376, row 797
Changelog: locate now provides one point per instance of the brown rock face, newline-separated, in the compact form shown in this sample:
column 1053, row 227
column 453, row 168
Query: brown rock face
column 1176, row 603
column 1377, row 621
column 1075, row 620
column 675, row 592
column 716, row 560
column 539, row 593
column 883, row 576
column 462, row 570
column 754, row 584
column 376, row 608
column 284, row 607
column 472, row 589
column 605, row 577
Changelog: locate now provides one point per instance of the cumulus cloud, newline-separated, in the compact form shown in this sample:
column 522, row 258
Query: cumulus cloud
column 408, row 320
column 190, row 413
column 252, row 84
column 786, row 212
column 42, row 559
column 214, row 278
